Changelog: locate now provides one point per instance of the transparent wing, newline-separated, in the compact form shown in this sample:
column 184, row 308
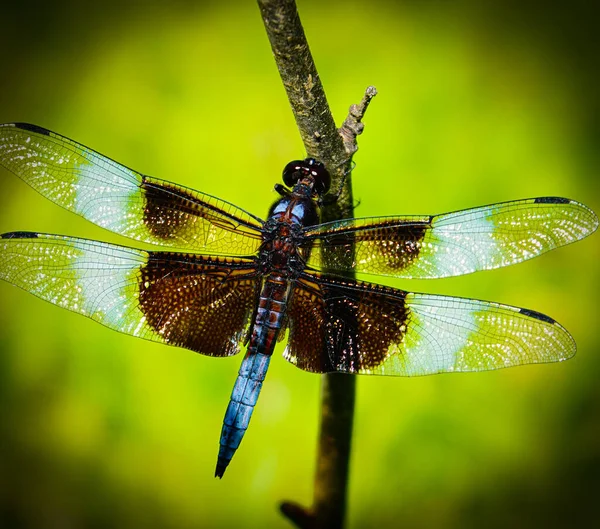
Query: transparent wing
column 451, row 244
column 201, row 303
column 122, row 200
column 354, row 327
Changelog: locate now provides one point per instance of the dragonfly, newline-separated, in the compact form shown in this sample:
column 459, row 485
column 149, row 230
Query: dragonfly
column 225, row 278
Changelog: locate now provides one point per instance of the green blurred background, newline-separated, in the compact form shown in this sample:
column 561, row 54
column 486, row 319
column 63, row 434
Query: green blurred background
column 478, row 103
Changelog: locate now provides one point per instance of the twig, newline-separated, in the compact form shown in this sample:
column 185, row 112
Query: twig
column 335, row 149
column 353, row 125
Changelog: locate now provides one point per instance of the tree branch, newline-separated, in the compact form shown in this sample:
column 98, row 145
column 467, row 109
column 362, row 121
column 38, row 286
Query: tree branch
column 335, row 149
column 301, row 80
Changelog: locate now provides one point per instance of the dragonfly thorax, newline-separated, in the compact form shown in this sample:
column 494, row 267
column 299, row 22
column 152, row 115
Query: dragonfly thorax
column 283, row 233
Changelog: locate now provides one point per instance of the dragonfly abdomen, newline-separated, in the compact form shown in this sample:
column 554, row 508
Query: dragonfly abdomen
column 267, row 324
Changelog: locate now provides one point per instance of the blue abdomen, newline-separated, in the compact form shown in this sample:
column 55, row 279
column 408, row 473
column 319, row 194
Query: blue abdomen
column 268, row 323
column 243, row 399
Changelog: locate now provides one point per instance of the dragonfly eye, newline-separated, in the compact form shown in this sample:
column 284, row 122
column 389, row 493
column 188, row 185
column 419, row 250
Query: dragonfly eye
column 293, row 171
column 320, row 175
column 298, row 169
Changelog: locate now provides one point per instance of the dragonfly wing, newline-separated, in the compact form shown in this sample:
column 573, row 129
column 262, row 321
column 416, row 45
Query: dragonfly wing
column 353, row 327
column 122, row 200
column 200, row 303
column 453, row 243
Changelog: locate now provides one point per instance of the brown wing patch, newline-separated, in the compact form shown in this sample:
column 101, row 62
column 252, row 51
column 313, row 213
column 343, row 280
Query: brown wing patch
column 395, row 248
column 306, row 316
column 372, row 246
column 342, row 325
column 174, row 212
column 168, row 209
column 198, row 302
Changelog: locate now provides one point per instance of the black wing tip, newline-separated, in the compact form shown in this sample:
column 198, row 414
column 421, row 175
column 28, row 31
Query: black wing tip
column 552, row 200
column 19, row 235
column 32, row 128
column 537, row 315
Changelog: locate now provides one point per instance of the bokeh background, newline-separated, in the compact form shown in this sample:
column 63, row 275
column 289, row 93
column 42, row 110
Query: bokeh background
column 478, row 103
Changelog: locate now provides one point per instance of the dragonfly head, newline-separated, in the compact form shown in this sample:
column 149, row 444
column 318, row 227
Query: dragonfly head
column 310, row 172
